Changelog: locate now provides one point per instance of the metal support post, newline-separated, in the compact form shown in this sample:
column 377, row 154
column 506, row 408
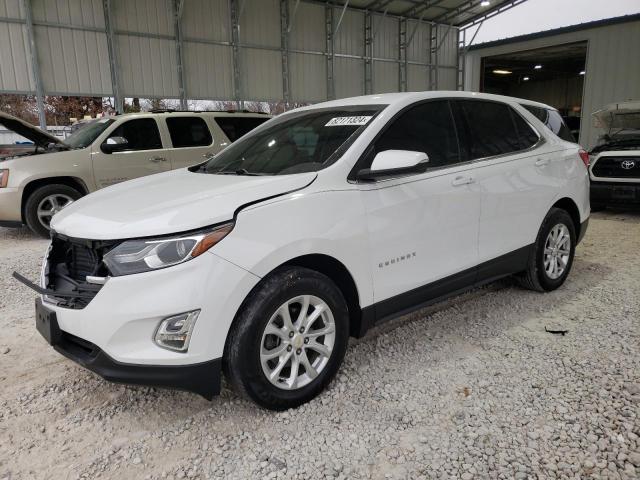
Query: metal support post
column 328, row 10
column 178, row 6
column 462, row 36
column 368, row 53
column 285, row 28
column 433, row 57
column 234, row 13
column 118, row 100
column 35, row 65
column 402, row 56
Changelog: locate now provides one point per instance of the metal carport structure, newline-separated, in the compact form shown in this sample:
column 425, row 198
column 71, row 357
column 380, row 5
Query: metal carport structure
column 264, row 50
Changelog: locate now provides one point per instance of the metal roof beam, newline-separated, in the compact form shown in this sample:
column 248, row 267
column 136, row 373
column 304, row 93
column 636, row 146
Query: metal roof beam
column 503, row 7
column 377, row 4
column 421, row 7
column 459, row 10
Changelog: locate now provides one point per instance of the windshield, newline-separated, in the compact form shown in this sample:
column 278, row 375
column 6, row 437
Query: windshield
column 87, row 133
column 305, row 141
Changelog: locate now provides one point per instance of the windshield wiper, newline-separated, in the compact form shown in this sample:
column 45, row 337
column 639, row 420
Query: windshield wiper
column 240, row 171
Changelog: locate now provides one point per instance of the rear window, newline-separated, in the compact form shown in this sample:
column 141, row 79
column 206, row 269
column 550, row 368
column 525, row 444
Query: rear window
column 236, row 127
column 553, row 121
column 188, row 132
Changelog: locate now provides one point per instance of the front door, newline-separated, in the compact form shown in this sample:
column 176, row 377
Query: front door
column 144, row 155
column 423, row 228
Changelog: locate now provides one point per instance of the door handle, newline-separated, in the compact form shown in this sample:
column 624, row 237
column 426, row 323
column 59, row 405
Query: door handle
column 458, row 181
column 541, row 162
column 157, row 159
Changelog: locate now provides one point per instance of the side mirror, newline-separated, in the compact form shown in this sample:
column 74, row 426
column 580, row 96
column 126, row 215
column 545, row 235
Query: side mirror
column 114, row 144
column 394, row 163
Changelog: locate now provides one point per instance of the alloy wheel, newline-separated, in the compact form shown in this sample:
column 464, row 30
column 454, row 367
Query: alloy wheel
column 50, row 205
column 297, row 342
column 557, row 249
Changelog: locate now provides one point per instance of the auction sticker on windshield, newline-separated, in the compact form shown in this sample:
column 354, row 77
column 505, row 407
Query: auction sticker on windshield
column 342, row 121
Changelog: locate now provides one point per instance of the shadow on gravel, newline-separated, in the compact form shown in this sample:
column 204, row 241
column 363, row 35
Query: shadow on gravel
column 22, row 233
column 585, row 275
column 628, row 215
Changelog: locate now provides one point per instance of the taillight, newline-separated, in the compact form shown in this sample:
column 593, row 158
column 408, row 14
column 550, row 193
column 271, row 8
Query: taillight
column 584, row 156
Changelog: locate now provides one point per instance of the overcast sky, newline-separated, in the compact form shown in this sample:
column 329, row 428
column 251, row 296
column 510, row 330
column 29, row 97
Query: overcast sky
column 537, row 15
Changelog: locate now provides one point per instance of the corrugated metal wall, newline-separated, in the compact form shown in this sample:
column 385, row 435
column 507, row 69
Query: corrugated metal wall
column 15, row 70
column 612, row 71
column 73, row 51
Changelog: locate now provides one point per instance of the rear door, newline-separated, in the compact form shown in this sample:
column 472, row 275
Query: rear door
column 191, row 140
column 423, row 227
column 144, row 156
column 512, row 171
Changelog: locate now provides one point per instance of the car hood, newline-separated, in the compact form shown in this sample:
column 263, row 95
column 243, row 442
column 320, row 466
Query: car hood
column 623, row 115
column 28, row 131
column 169, row 202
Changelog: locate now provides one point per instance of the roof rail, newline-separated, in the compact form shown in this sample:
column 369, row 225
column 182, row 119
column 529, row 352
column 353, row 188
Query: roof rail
column 172, row 110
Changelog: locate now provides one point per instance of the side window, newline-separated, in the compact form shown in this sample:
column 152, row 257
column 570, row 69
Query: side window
column 427, row 128
column 489, row 128
column 557, row 126
column 236, row 127
column 528, row 137
column 188, row 132
column 553, row 121
column 540, row 113
column 142, row 134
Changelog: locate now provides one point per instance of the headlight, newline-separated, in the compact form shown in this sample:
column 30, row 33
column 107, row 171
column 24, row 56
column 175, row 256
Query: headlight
column 4, row 178
column 137, row 256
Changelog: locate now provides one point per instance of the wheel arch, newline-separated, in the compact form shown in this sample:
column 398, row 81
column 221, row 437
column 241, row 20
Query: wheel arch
column 33, row 185
column 569, row 206
column 340, row 275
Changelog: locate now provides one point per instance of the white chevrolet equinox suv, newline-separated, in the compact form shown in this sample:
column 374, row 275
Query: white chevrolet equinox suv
column 321, row 223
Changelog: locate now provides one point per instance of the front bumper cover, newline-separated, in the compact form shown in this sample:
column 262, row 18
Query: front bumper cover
column 615, row 193
column 201, row 378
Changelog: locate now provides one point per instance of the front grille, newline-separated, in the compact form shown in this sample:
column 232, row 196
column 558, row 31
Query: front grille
column 69, row 263
column 617, row 167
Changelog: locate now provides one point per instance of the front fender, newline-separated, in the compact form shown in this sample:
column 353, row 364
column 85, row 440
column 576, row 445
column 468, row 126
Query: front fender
column 332, row 223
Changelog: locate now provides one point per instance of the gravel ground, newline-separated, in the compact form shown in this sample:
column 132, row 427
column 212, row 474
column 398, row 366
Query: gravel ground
column 473, row 388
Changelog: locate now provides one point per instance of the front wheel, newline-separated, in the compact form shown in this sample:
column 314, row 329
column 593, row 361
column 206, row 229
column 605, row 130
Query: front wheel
column 553, row 252
column 44, row 203
column 288, row 340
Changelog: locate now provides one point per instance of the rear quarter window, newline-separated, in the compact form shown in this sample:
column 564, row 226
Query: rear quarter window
column 553, row 121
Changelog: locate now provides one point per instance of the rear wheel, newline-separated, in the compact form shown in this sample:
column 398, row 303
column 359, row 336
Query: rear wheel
column 288, row 340
column 552, row 256
column 44, row 203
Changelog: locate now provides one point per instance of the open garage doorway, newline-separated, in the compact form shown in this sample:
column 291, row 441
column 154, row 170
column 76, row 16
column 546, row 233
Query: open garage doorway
column 552, row 75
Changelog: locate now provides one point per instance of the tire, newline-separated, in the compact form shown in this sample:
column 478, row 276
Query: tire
column 42, row 198
column 244, row 364
column 537, row 277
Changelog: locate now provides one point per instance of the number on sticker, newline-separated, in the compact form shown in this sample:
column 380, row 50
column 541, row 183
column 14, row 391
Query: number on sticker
column 342, row 121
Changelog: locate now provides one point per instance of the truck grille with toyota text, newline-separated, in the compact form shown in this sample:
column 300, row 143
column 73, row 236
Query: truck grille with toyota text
column 617, row 167
column 69, row 263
